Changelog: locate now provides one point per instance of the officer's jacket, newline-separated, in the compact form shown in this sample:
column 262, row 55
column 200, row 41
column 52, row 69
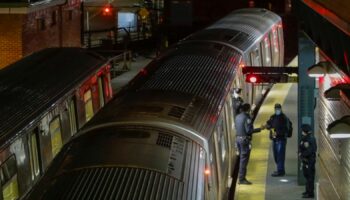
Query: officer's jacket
column 278, row 123
column 237, row 104
column 244, row 125
column 307, row 147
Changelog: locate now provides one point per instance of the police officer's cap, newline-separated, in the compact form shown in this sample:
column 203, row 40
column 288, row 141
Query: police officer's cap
column 277, row 105
column 245, row 107
column 306, row 128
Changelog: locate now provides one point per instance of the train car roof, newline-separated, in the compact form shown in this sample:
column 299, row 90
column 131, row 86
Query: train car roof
column 189, row 83
column 241, row 28
column 32, row 85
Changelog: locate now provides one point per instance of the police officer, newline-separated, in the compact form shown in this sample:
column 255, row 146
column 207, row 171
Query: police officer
column 244, row 131
column 307, row 154
column 278, row 126
column 237, row 101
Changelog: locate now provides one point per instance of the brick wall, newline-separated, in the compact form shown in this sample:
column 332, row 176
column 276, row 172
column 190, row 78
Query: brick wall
column 71, row 27
column 60, row 31
column 10, row 39
column 39, row 34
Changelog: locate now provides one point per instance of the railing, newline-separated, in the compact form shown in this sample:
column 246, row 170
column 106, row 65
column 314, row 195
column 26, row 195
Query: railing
column 112, row 36
column 120, row 61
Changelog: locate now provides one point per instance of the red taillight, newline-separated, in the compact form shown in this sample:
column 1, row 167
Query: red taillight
column 143, row 72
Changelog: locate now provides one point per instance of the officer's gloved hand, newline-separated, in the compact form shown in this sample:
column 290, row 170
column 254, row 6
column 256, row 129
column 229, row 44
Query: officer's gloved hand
column 263, row 126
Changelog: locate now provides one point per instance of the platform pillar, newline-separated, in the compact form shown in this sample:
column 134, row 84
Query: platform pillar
column 306, row 88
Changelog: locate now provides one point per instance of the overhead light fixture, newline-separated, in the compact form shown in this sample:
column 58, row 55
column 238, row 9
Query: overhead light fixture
column 318, row 70
column 333, row 93
column 340, row 128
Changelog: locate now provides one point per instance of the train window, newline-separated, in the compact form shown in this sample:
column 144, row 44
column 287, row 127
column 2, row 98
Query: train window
column 56, row 138
column 222, row 141
column 280, row 40
column 106, row 85
column 275, row 47
column 266, row 51
column 8, row 176
column 89, row 111
column 214, row 172
column 72, row 117
column 34, row 153
column 100, row 92
column 255, row 58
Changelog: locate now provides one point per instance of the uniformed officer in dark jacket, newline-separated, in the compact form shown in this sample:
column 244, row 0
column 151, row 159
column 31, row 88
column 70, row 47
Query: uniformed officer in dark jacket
column 307, row 154
column 244, row 131
column 277, row 124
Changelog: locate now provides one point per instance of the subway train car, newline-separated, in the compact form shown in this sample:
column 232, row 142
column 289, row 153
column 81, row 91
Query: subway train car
column 44, row 99
column 170, row 133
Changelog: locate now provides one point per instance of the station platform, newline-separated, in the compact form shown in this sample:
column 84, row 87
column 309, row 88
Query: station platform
column 261, row 164
column 136, row 65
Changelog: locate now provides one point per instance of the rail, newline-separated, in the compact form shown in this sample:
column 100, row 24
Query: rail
column 113, row 36
column 120, row 61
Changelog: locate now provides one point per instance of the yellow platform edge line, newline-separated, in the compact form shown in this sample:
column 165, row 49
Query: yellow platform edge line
column 257, row 167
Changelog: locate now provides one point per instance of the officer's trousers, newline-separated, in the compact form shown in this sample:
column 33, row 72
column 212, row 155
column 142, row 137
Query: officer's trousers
column 243, row 145
column 279, row 153
column 309, row 174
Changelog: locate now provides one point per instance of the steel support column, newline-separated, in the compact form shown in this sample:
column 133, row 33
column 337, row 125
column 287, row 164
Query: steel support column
column 306, row 88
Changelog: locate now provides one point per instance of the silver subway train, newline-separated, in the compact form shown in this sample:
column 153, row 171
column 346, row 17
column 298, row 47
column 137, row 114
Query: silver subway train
column 45, row 98
column 170, row 134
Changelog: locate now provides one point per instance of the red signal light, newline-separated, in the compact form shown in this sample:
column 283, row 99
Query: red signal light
column 107, row 10
column 253, row 79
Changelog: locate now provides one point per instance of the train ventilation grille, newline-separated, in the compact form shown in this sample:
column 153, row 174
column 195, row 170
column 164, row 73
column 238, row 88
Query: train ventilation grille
column 164, row 140
column 176, row 111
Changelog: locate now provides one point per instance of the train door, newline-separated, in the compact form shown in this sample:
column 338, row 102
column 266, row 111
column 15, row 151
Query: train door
column 89, row 110
column 218, row 166
column 230, row 139
column 72, row 116
column 275, row 47
column 65, row 122
column 9, row 182
column 281, row 43
column 266, row 51
column 214, row 173
column 107, row 86
column 56, row 136
column 255, row 59
column 34, row 156
column 100, row 92
column 222, row 155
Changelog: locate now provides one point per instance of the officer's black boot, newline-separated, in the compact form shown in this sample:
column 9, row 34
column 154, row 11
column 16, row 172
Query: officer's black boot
column 244, row 182
column 307, row 195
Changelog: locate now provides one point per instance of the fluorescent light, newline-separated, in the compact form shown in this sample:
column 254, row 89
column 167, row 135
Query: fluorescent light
column 333, row 93
column 318, row 70
column 340, row 129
